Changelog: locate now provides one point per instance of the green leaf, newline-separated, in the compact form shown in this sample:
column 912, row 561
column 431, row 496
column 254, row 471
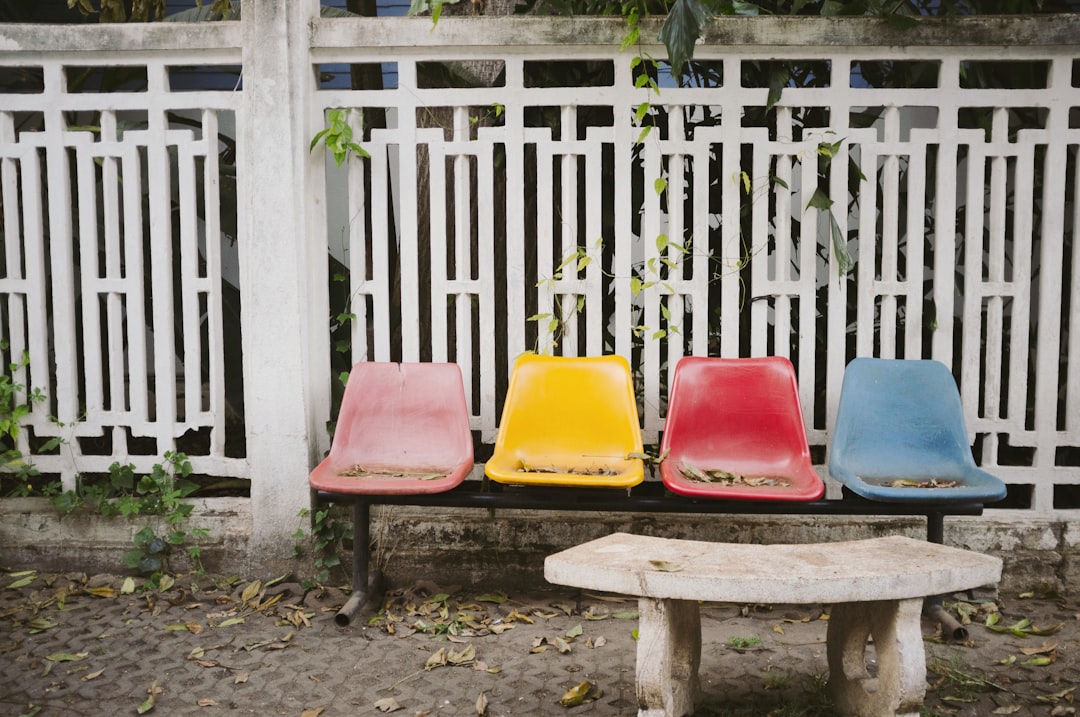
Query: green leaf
column 67, row 656
column 681, row 31
column 820, row 201
column 659, row 185
column 844, row 261
column 901, row 22
column 778, row 79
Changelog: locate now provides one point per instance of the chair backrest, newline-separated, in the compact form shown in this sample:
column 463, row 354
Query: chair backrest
column 569, row 421
column 741, row 416
column 402, row 427
column 900, row 417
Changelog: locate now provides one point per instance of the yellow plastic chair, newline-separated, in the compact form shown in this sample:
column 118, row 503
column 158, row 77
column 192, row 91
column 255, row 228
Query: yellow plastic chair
column 569, row 422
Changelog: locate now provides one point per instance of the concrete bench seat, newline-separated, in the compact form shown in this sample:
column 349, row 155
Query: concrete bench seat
column 875, row 587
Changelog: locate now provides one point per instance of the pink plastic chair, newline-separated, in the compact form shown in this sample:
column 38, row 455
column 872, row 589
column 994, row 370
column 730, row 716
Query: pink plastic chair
column 402, row 429
column 740, row 417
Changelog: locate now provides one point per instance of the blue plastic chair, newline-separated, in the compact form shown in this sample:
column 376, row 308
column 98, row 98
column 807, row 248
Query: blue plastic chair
column 900, row 436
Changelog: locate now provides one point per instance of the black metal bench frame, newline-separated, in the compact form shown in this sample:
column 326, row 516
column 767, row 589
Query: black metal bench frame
column 648, row 497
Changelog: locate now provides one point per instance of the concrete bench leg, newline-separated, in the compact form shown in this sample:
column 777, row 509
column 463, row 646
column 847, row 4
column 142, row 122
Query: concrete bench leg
column 668, row 655
column 896, row 630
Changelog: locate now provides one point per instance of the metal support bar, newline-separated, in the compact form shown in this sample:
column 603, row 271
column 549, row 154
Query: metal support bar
column 361, row 561
column 645, row 498
column 932, row 606
column 650, row 497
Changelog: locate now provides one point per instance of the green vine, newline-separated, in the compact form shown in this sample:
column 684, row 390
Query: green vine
column 338, row 137
column 163, row 492
column 326, row 538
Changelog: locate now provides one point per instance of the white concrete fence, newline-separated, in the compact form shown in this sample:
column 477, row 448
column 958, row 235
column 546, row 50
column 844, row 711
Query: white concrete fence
column 506, row 214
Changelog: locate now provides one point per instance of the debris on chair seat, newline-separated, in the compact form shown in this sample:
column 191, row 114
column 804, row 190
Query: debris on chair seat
column 359, row 471
column 572, row 470
column 931, row 483
column 715, row 475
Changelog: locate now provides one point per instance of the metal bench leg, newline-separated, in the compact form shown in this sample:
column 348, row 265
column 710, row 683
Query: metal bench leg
column 932, row 607
column 361, row 587
column 895, row 627
column 668, row 655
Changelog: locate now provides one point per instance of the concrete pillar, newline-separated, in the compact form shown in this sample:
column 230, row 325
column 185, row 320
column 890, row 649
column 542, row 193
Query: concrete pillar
column 668, row 656
column 283, row 273
column 896, row 630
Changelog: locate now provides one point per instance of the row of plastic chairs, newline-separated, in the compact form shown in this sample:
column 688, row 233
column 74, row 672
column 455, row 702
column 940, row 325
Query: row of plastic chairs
column 734, row 430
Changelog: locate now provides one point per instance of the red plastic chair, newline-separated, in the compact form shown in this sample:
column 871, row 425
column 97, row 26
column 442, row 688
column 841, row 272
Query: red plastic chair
column 402, row 429
column 734, row 430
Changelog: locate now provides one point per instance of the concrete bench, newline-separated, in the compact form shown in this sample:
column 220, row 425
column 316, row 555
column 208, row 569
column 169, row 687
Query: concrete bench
column 875, row 587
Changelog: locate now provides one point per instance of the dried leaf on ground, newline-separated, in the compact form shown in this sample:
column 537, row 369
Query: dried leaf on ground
column 67, row 656
column 251, row 591
column 1046, row 648
column 464, row 656
column 436, row 660
column 23, row 578
column 579, row 694
column 386, row 704
column 152, row 692
column 481, row 705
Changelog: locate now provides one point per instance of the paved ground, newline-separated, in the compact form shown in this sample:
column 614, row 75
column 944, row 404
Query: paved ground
column 76, row 646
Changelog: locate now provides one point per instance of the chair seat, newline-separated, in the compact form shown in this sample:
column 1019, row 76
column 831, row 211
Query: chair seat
column 734, row 430
column 900, row 436
column 402, row 429
column 569, row 421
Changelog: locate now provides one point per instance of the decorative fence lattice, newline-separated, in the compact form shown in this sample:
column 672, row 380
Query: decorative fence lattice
column 562, row 205
column 818, row 189
column 117, row 198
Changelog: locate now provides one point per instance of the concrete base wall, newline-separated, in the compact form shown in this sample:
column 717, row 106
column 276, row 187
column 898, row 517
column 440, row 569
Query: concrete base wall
column 470, row 546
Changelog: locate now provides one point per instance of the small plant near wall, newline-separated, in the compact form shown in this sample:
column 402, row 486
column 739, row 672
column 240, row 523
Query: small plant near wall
column 16, row 402
column 160, row 493
column 326, row 538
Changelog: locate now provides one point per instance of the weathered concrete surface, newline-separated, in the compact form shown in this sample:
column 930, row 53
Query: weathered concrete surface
column 461, row 546
column 877, row 586
column 34, row 535
column 890, row 568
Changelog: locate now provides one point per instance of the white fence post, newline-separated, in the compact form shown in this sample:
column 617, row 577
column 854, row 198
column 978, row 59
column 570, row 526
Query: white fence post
column 283, row 265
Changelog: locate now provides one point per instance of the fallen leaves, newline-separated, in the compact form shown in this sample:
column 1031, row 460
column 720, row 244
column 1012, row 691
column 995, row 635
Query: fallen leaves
column 386, row 704
column 23, row 578
column 595, row 470
column 151, row 699
column 727, row 478
column 584, row 691
column 1020, row 628
column 358, row 471
column 67, row 656
column 929, row 483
